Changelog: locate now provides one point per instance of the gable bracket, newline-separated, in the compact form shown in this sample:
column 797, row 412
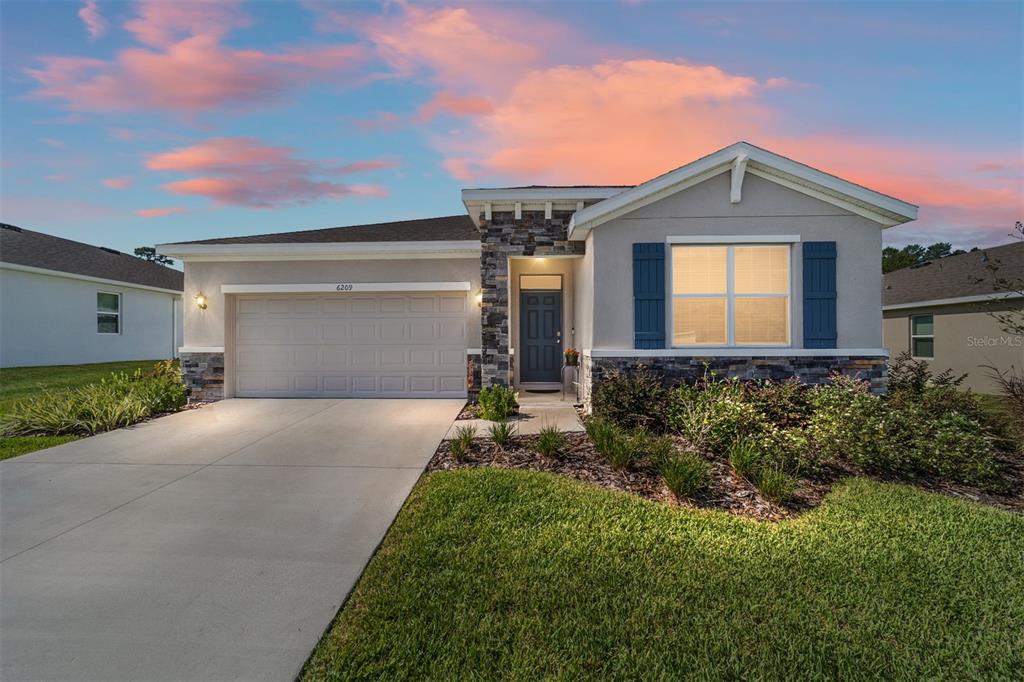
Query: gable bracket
column 739, row 169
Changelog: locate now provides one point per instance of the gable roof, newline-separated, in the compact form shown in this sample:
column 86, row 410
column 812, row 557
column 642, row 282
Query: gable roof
column 953, row 277
column 445, row 228
column 19, row 246
column 747, row 158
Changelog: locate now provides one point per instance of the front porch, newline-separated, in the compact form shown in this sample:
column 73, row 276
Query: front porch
column 527, row 302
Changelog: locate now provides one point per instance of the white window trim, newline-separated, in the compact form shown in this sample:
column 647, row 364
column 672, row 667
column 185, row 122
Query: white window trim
column 730, row 296
column 744, row 240
column 914, row 336
column 120, row 325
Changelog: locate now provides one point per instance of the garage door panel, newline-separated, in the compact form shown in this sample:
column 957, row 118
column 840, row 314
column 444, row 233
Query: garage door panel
column 382, row 345
column 422, row 304
column 453, row 304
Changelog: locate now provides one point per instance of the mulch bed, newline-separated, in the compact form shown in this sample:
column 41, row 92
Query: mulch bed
column 580, row 461
column 726, row 492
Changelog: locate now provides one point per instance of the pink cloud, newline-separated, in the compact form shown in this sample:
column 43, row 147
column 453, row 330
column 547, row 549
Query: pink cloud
column 161, row 24
column 94, row 22
column 56, row 178
column 612, row 122
column 117, row 183
column 184, row 66
column 456, row 105
column 160, row 212
column 483, row 47
column 53, row 142
column 460, row 168
column 242, row 171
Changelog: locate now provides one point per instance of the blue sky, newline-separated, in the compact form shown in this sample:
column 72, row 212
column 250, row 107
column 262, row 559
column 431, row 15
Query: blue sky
column 133, row 123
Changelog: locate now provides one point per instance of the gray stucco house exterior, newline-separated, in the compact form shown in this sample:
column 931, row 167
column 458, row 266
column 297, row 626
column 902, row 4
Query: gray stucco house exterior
column 743, row 260
column 63, row 302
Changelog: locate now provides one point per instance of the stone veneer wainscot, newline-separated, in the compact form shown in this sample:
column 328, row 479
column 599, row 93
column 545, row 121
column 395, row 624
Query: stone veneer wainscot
column 204, row 375
column 674, row 370
column 501, row 238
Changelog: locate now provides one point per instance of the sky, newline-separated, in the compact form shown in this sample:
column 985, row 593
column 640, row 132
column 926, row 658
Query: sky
column 134, row 123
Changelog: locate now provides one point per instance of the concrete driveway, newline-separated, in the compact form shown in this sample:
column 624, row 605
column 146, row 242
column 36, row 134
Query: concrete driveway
column 212, row 544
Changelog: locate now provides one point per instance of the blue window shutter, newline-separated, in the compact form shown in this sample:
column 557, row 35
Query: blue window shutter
column 819, row 294
column 649, row 295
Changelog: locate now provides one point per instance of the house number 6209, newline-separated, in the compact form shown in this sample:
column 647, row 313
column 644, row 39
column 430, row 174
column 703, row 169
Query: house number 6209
column 345, row 287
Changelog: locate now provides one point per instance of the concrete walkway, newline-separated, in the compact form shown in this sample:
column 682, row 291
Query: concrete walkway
column 536, row 410
column 212, row 544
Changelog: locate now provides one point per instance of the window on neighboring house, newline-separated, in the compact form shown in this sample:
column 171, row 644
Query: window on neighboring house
column 108, row 313
column 922, row 336
column 735, row 295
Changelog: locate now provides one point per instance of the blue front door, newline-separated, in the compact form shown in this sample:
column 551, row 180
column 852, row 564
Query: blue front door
column 540, row 336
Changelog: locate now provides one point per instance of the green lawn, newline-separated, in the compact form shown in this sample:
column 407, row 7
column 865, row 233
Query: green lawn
column 22, row 382
column 519, row 575
column 17, row 383
column 19, row 445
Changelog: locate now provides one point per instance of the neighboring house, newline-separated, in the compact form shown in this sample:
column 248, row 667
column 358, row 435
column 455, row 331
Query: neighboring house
column 67, row 303
column 743, row 261
column 939, row 311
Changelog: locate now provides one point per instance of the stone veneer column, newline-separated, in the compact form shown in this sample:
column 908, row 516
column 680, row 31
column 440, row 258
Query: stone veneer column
column 203, row 374
column 501, row 238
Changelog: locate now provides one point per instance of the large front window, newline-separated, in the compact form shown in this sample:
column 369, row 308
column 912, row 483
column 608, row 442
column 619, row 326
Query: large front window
column 735, row 295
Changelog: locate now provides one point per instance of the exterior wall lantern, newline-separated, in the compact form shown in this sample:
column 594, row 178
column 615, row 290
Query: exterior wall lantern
column 200, row 301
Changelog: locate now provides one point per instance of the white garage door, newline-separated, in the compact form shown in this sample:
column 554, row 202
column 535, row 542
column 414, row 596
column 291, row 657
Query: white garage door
column 390, row 345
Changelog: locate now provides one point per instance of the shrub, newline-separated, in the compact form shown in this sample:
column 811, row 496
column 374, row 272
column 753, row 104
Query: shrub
column 784, row 404
column 550, row 441
column 774, row 483
column 631, row 401
column 466, row 434
column 603, row 434
column 622, row 454
column 659, row 449
column 502, row 432
column 685, row 474
column 1011, row 389
column 716, row 416
column 458, row 450
column 119, row 400
column 462, row 444
column 907, row 375
column 746, row 458
column 497, row 403
column 792, row 449
column 900, row 436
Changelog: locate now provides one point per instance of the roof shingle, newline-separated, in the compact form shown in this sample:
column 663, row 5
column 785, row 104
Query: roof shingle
column 444, row 228
column 19, row 246
column 953, row 276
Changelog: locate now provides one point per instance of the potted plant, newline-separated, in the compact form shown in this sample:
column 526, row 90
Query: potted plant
column 572, row 357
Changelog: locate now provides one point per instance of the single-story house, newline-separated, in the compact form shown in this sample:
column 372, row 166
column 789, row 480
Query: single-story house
column 63, row 302
column 941, row 311
column 743, row 261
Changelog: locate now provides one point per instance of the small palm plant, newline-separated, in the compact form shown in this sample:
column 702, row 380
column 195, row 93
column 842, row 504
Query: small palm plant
column 462, row 444
column 502, row 432
column 550, row 442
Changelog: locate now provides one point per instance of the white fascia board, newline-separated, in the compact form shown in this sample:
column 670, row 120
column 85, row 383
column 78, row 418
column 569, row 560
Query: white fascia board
column 201, row 349
column 879, row 207
column 322, row 251
column 980, row 298
column 735, row 239
column 343, row 287
column 86, row 278
column 736, row 352
column 540, row 194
